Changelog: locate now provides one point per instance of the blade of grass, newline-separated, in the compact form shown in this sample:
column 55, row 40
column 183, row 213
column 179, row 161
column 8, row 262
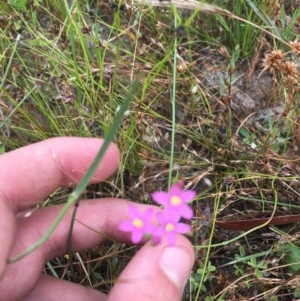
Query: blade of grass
column 264, row 18
column 17, row 107
column 74, row 196
column 173, row 101
column 10, row 60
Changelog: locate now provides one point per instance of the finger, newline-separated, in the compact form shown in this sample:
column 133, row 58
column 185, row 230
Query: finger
column 31, row 173
column 155, row 273
column 95, row 221
column 49, row 288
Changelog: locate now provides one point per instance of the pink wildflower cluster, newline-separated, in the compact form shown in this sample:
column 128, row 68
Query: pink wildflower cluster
column 164, row 223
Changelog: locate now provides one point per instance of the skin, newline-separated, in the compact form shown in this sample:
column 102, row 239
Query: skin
column 27, row 176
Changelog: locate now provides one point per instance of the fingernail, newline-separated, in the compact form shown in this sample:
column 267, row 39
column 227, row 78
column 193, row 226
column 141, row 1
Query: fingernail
column 176, row 264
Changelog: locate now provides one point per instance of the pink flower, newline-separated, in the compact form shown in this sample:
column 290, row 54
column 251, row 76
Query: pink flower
column 175, row 201
column 139, row 224
column 163, row 224
column 168, row 228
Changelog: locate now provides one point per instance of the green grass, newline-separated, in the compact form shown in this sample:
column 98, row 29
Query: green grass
column 64, row 71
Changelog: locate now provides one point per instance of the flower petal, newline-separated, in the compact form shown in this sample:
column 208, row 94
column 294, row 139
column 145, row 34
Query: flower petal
column 188, row 195
column 147, row 215
column 160, row 197
column 186, row 212
column 136, row 236
column 171, row 238
column 126, row 226
column 183, row 228
column 175, row 190
column 168, row 215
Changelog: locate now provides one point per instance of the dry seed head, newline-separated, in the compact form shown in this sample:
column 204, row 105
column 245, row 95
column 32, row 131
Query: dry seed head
column 296, row 47
column 273, row 60
column 290, row 69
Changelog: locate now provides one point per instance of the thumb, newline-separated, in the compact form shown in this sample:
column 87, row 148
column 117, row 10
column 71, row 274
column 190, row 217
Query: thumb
column 156, row 273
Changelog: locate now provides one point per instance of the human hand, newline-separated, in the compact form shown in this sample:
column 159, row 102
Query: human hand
column 27, row 176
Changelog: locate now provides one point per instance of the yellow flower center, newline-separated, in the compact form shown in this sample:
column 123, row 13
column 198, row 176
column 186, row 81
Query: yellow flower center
column 175, row 200
column 169, row 227
column 138, row 223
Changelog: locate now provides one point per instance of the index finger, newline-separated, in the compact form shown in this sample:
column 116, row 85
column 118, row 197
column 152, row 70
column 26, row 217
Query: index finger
column 31, row 173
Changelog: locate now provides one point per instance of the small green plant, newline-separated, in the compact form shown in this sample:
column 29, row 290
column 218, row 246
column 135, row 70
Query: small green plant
column 297, row 293
column 19, row 5
column 258, row 266
column 238, row 268
column 274, row 139
column 248, row 137
column 291, row 255
column 201, row 276
column 242, row 260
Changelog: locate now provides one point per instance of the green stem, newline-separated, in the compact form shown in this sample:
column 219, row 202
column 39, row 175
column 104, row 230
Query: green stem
column 74, row 196
column 70, row 241
column 173, row 102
